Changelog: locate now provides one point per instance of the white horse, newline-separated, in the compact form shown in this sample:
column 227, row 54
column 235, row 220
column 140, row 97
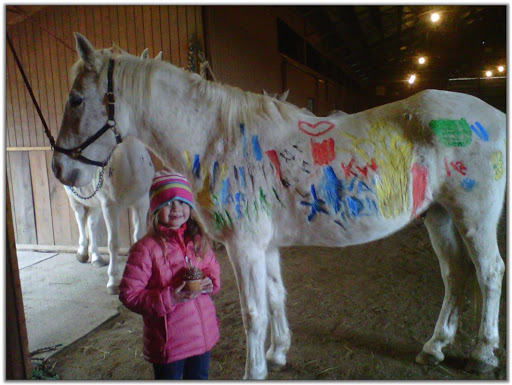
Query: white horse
column 126, row 181
column 266, row 175
column 284, row 95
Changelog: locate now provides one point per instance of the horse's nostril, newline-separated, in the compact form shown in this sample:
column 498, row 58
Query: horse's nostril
column 57, row 170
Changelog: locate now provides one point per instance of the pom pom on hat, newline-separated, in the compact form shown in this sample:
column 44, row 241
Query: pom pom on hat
column 167, row 187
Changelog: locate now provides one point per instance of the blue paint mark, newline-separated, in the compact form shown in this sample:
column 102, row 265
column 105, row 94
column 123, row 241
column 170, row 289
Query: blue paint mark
column 256, row 148
column 333, row 188
column 244, row 140
column 352, row 183
column 372, row 205
column 468, row 184
column 481, row 133
column 225, row 197
column 240, row 199
column 361, row 186
column 196, row 168
column 242, row 176
column 213, row 178
column 355, row 206
column 315, row 205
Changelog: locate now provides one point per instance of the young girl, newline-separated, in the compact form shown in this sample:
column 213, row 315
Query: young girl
column 180, row 328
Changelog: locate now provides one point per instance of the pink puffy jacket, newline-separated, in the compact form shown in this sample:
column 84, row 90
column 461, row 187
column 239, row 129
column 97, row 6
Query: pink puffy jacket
column 172, row 332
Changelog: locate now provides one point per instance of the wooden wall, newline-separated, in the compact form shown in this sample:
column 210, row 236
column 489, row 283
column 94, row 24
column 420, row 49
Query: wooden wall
column 45, row 45
column 242, row 42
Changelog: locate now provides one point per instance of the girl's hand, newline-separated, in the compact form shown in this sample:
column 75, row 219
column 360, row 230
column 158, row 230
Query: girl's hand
column 206, row 285
column 178, row 296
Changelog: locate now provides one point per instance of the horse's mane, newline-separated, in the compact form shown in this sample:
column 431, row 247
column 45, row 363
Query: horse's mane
column 235, row 105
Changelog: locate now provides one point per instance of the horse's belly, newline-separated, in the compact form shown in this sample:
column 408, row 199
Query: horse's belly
column 339, row 232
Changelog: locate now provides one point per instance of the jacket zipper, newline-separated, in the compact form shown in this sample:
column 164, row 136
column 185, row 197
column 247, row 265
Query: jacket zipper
column 202, row 323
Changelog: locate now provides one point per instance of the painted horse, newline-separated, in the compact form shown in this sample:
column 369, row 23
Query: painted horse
column 267, row 175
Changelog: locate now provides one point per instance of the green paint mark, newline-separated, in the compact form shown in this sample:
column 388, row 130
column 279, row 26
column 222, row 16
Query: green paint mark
column 215, row 200
column 256, row 210
column 219, row 220
column 453, row 133
column 246, row 210
column 229, row 221
column 263, row 201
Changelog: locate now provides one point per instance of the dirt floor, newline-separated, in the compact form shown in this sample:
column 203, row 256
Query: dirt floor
column 358, row 313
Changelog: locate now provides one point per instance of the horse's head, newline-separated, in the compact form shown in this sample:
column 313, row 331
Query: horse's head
column 85, row 113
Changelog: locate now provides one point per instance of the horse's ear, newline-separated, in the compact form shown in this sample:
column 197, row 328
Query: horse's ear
column 159, row 56
column 116, row 50
column 284, row 95
column 144, row 54
column 264, row 92
column 86, row 51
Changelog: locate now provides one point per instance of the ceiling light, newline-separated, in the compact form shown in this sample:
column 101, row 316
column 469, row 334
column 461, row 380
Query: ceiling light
column 434, row 17
column 488, row 74
column 421, row 60
column 501, row 69
column 412, row 78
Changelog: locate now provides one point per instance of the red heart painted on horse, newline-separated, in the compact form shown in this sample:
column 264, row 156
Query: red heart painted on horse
column 317, row 129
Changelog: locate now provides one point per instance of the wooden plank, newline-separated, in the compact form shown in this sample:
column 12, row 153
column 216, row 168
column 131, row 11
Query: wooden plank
column 164, row 31
column 62, row 62
column 34, row 125
column 123, row 29
column 59, row 206
column 114, row 24
column 22, row 192
column 105, row 22
column 18, row 356
column 139, row 27
column 88, row 13
column 66, row 35
column 174, row 35
column 82, row 24
column 157, row 32
column 131, row 45
column 49, row 51
column 200, row 26
column 191, row 23
column 63, row 248
column 183, row 36
column 20, row 85
column 13, row 88
column 43, row 74
column 43, row 212
column 148, row 30
column 9, row 105
column 34, row 70
column 9, row 180
column 98, row 28
column 27, row 111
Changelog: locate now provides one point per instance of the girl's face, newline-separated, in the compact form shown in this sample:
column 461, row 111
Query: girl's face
column 174, row 214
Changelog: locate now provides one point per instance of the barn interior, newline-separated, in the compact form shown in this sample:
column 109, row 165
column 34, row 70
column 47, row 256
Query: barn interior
column 330, row 57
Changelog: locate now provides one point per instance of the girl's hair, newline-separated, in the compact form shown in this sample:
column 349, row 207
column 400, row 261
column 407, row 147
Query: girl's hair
column 193, row 229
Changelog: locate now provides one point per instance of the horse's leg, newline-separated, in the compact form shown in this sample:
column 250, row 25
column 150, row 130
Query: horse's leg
column 93, row 219
column 478, row 229
column 455, row 268
column 111, row 215
column 250, row 271
column 280, row 337
column 83, row 242
column 139, row 213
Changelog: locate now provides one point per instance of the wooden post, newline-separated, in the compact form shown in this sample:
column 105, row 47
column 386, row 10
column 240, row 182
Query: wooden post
column 18, row 357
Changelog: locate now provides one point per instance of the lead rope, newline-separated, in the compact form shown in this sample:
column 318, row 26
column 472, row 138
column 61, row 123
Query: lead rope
column 43, row 121
column 98, row 186
column 193, row 49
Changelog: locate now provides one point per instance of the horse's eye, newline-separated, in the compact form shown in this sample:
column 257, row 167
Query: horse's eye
column 75, row 100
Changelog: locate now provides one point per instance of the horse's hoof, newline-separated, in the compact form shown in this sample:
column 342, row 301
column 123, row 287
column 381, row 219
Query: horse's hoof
column 82, row 258
column 425, row 358
column 113, row 290
column 478, row 367
column 99, row 263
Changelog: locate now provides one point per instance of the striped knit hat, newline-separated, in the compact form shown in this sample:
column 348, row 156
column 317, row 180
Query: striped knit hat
column 167, row 187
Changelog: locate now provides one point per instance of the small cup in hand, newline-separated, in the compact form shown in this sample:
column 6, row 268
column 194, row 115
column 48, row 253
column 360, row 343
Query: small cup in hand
column 192, row 278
